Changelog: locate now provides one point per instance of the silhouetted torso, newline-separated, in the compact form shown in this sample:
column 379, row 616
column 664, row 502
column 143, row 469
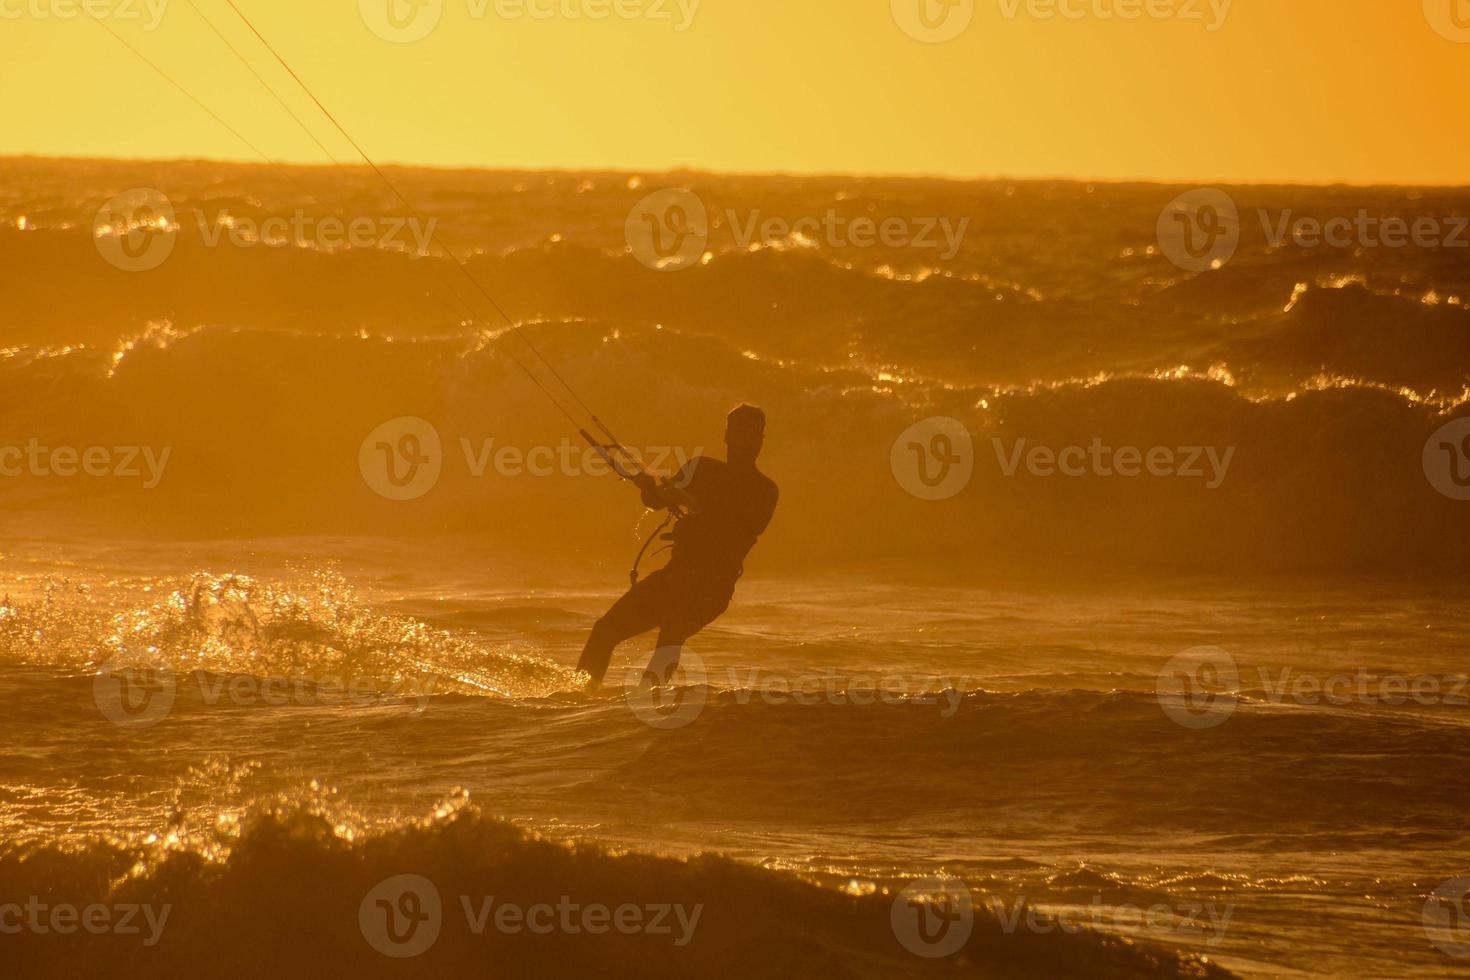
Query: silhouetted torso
column 729, row 506
column 736, row 504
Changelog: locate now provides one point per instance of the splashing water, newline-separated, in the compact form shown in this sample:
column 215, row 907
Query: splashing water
column 314, row 629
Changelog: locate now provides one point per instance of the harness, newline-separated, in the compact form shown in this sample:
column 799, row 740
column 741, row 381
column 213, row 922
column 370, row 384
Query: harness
column 617, row 457
column 673, row 519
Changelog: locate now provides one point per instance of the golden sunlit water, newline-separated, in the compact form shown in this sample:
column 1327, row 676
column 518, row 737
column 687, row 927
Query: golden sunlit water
column 669, row 488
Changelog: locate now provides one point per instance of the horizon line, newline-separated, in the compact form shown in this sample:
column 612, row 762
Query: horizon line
column 622, row 170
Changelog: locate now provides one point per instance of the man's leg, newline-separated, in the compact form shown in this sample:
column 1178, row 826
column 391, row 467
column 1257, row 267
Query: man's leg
column 695, row 609
column 638, row 611
column 665, row 659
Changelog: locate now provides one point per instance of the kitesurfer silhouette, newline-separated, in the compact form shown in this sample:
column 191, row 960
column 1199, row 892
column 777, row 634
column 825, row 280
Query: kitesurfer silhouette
column 720, row 508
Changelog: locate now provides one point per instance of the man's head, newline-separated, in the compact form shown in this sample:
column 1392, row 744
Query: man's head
column 745, row 433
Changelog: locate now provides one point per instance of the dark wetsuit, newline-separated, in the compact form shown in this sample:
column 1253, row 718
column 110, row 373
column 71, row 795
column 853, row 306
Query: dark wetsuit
column 735, row 505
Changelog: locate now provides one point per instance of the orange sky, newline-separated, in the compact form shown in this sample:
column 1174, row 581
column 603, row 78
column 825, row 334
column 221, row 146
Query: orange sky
column 1363, row 91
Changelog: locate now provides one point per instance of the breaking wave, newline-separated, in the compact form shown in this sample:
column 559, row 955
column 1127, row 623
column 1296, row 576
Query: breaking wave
column 292, row 899
column 263, row 432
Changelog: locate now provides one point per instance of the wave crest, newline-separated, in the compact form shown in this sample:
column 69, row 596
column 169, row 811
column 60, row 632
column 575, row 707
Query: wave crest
column 287, row 902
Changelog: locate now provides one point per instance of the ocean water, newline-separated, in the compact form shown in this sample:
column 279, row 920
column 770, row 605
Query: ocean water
column 246, row 683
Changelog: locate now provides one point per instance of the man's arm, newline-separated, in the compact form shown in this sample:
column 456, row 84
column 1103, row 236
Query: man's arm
column 647, row 484
column 669, row 493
